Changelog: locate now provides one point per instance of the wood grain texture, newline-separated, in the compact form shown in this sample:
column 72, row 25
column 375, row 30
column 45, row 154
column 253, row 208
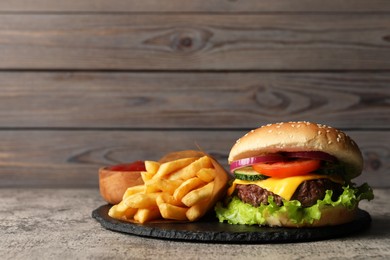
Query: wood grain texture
column 72, row 158
column 191, row 100
column 167, row 75
column 178, row 6
column 195, row 42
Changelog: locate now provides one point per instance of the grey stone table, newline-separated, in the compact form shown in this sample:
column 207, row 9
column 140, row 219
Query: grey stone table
column 57, row 224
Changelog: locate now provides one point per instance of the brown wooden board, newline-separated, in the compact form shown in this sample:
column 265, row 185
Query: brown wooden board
column 76, row 75
column 195, row 42
column 71, row 158
column 217, row 6
column 192, row 100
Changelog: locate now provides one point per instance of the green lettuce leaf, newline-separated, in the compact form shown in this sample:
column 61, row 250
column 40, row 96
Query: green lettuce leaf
column 238, row 212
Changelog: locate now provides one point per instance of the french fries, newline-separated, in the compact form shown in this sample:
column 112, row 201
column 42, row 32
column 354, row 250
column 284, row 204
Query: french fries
column 169, row 167
column 152, row 167
column 147, row 214
column 198, row 195
column 186, row 187
column 206, row 174
column 190, row 170
column 180, row 189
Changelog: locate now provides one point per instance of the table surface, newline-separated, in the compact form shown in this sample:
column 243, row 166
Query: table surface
column 52, row 223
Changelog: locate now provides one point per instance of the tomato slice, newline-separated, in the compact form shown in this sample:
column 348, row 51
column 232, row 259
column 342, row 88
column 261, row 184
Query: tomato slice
column 287, row 168
column 129, row 167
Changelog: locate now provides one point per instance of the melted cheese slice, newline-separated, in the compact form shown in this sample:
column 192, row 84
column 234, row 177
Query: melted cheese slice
column 284, row 187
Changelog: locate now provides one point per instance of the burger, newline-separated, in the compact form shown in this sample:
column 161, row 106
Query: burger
column 293, row 174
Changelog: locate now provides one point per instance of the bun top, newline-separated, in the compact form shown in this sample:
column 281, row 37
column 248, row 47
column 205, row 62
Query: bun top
column 300, row 136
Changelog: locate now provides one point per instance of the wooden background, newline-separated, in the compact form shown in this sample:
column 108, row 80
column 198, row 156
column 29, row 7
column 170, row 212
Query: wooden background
column 85, row 84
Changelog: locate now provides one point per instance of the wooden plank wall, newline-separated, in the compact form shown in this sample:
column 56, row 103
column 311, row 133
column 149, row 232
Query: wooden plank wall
column 90, row 83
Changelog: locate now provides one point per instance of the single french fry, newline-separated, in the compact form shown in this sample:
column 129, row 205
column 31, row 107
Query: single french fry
column 186, row 187
column 197, row 210
column 141, row 200
column 198, row 195
column 206, row 174
column 152, row 167
column 169, row 211
column 160, row 200
column 130, row 212
column 190, row 170
column 121, row 207
column 152, row 186
column 168, row 198
column 169, row 186
column 133, row 190
column 144, row 215
column 169, row 167
column 115, row 213
column 146, row 176
column 164, row 185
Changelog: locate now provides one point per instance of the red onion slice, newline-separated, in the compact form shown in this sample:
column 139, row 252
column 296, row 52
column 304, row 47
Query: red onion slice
column 317, row 155
column 253, row 160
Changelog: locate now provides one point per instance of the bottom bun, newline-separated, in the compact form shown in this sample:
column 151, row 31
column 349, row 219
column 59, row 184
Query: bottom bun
column 330, row 216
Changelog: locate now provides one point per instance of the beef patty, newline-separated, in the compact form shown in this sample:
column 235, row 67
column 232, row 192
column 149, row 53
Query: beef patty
column 307, row 193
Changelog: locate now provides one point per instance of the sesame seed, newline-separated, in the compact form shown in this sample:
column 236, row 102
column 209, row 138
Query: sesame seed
column 278, row 126
column 270, row 131
column 298, row 126
column 319, row 132
column 327, row 131
column 338, row 139
column 329, row 142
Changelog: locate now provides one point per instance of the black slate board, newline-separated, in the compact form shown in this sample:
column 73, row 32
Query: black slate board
column 210, row 230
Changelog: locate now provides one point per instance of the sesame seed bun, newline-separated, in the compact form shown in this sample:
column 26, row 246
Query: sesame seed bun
column 300, row 136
